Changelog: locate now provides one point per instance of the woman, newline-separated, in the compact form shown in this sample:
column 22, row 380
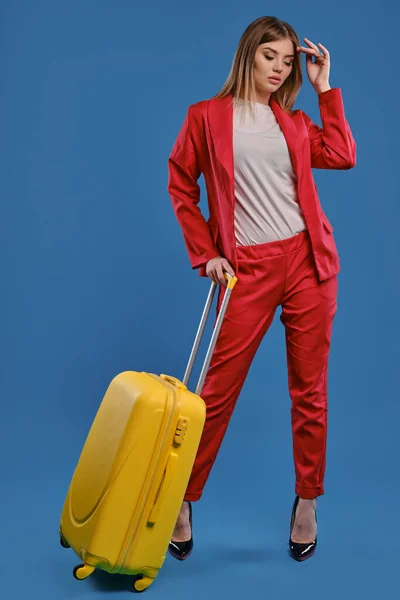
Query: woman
column 268, row 228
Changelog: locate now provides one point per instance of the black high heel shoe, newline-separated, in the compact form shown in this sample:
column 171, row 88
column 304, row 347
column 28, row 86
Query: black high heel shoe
column 181, row 550
column 298, row 551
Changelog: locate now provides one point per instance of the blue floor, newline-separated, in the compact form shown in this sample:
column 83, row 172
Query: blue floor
column 240, row 547
column 241, row 524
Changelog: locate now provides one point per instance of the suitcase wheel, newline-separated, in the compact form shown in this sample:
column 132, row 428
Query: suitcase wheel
column 64, row 542
column 141, row 583
column 82, row 571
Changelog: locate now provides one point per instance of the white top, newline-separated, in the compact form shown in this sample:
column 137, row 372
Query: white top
column 266, row 207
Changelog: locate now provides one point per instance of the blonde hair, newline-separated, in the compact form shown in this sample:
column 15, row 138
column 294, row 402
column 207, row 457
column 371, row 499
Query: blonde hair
column 240, row 81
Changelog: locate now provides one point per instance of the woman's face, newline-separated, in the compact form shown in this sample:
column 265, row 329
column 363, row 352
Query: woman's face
column 272, row 59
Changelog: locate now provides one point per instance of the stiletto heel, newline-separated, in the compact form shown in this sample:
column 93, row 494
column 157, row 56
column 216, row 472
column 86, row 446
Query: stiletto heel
column 181, row 550
column 299, row 551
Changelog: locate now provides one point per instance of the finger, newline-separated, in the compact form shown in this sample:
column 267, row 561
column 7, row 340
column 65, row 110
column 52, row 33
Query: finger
column 210, row 274
column 220, row 274
column 309, row 42
column 227, row 267
column 318, row 57
column 325, row 50
column 222, row 279
column 214, row 276
column 313, row 46
column 310, row 51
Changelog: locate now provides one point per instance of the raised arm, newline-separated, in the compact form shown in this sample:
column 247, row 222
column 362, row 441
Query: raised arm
column 332, row 145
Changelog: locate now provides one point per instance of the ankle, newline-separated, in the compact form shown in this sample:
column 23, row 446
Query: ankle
column 308, row 501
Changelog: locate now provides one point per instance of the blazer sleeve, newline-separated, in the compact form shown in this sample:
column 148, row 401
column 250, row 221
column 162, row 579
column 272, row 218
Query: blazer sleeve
column 332, row 146
column 183, row 173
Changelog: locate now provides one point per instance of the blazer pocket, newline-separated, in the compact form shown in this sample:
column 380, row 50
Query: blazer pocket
column 326, row 224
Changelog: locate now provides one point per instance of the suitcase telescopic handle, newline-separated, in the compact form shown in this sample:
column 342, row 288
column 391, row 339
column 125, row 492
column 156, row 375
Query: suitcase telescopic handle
column 230, row 285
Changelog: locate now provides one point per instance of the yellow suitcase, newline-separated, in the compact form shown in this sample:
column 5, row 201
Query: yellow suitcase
column 128, row 486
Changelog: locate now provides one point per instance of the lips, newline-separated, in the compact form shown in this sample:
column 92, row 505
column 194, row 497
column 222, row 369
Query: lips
column 274, row 79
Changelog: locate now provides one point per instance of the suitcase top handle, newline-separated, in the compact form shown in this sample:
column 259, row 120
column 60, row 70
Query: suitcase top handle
column 175, row 381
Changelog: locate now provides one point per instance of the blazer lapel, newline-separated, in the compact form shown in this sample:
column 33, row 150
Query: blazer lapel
column 220, row 117
column 293, row 135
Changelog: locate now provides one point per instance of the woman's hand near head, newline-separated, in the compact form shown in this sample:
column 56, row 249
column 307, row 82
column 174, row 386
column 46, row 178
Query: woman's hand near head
column 215, row 270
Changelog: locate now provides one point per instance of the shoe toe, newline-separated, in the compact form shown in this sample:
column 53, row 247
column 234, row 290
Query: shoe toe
column 302, row 551
column 180, row 550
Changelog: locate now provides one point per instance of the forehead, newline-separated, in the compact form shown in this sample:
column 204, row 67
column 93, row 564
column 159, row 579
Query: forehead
column 283, row 47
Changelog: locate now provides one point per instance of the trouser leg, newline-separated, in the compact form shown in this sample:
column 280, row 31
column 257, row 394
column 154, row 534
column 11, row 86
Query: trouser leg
column 308, row 311
column 250, row 312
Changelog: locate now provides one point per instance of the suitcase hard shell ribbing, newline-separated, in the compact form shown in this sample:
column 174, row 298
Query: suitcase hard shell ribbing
column 128, row 486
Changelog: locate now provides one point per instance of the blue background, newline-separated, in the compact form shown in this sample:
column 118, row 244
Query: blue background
column 96, row 280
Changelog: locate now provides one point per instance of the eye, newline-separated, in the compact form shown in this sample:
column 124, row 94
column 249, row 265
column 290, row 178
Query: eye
column 272, row 58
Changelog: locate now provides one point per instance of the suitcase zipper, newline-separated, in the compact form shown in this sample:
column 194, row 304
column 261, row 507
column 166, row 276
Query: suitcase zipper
column 162, row 443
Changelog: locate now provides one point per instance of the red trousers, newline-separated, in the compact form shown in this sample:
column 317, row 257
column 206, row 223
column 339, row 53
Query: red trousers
column 280, row 273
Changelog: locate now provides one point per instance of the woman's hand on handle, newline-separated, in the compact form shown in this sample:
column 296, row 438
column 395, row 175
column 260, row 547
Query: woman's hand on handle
column 215, row 270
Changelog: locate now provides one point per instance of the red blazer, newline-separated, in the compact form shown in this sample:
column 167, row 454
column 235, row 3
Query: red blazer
column 205, row 145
